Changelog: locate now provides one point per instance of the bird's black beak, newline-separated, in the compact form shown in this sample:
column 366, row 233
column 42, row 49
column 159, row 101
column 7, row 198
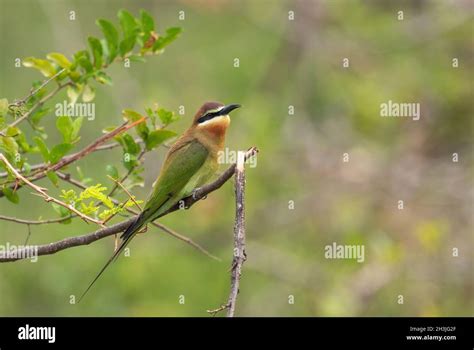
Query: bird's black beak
column 229, row 108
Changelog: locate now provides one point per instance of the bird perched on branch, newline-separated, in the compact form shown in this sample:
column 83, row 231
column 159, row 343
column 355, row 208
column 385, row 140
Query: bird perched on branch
column 189, row 164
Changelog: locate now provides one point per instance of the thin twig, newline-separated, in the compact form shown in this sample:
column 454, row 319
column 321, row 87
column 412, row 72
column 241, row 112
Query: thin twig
column 132, row 198
column 35, row 107
column 219, row 309
column 35, row 91
column 35, row 222
column 47, row 197
column 112, row 191
column 29, row 234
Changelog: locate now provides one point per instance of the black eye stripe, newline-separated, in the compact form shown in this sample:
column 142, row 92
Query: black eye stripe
column 208, row 116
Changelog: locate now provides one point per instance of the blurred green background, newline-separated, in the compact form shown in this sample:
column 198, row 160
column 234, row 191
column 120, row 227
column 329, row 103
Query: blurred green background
column 336, row 110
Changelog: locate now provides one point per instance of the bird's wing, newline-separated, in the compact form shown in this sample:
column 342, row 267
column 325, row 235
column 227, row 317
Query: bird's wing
column 181, row 164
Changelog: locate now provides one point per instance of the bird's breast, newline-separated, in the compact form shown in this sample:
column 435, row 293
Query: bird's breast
column 212, row 134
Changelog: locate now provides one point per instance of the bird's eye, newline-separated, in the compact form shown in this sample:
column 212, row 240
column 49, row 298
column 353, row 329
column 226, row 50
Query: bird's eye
column 209, row 115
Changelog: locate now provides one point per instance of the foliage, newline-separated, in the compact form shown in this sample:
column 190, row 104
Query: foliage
column 133, row 40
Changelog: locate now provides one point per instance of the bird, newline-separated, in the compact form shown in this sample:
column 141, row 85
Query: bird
column 190, row 163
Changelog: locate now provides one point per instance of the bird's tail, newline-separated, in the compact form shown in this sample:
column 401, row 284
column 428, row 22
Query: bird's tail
column 127, row 236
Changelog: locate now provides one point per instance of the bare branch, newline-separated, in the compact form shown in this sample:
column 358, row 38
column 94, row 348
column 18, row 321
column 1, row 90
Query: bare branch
column 239, row 255
column 239, row 234
column 70, row 242
column 34, row 222
column 112, row 191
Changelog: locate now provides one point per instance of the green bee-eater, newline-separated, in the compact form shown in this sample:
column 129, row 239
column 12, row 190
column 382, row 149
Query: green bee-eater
column 189, row 164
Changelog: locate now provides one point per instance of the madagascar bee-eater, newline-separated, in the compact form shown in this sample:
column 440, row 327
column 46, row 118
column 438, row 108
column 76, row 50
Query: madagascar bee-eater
column 189, row 164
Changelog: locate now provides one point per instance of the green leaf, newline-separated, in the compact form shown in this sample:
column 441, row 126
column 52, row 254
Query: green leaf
column 133, row 116
column 42, row 148
column 69, row 196
column 76, row 127
column 96, row 48
column 59, row 59
column 44, row 66
column 37, row 115
column 23, row 143
column 9, row 146
column 148, row 24
column 12, row 131
column 88, row 209
column 112, row 171
column 73, row 93
column 103, row 78
column 130, row 145
column 157, row 137
column 88, row 93
column 127, row 44
column 3, row 107
column 96, row 193
column 163, row 41
column 11, row 195
column 59, row 151
column 111, row 37
column 26, row 168
column 75, row 76
column 64, row 125
column 128, row 23
column 85, row 63
column 166, row 116
column 63, row 212
column 137, row 58
column 53, row 178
